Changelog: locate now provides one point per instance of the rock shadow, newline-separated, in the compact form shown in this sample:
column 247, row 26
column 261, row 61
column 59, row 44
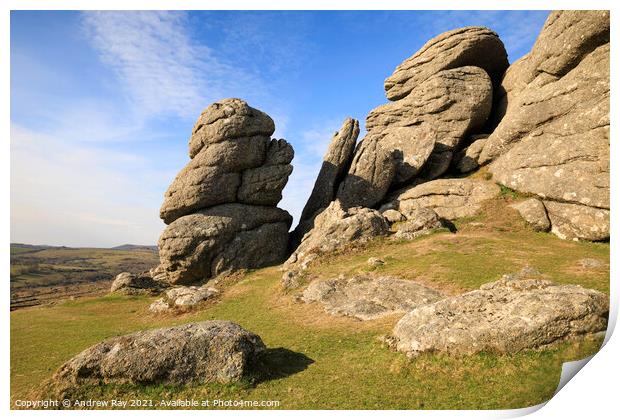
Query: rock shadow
column 448, row 224
column 278, row 363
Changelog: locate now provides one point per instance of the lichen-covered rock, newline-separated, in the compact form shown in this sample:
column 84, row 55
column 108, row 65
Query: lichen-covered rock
column 449, row 198
column 470, row 46
column 336, row 163
column 566, row 38
column 370, row 175
column 202, row 352
column 228, row 119
column 365, row 297
column 334, row 228
column 534, row 213
column 515, row 313
column 420, row 221
column 136, row 284
column 555, row 141
column 574, row 221
column 393, row 216
column 183, row 298
column 223, row 238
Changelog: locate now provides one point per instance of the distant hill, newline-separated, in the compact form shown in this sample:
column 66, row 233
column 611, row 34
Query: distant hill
column 18, row 248
column 131, row 247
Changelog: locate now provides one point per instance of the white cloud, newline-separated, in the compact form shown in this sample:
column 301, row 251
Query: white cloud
column 161, row 68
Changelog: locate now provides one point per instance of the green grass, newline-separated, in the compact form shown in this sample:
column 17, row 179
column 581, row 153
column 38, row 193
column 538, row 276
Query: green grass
column 319, row 361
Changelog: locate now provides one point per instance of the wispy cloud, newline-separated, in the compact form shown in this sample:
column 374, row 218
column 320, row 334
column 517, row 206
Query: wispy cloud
column 162, row 69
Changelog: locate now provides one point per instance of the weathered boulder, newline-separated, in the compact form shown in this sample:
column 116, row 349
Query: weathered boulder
column 453, row 102
column 449, row 198
column 136, row 284
column 393, row 216
column 336, row 163
column 566, row 38
column 365, row 297
column 223, row 238
column 470, row 46
column 334, row 228
column 183, row 298
column 420, row 221
column 228, row 119
column 208, row 351
column 370, row 175
column 515, row 313
column 557, row 137
column 574, row 221
column 534, row 213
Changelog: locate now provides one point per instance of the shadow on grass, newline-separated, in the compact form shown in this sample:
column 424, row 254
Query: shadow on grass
column 278, row 363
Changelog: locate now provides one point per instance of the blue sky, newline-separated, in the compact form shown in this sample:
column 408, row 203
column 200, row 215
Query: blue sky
column 102, row 103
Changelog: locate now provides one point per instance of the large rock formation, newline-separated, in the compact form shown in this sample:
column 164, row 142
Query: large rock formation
column 553, row 140
column 444, row 94
column 221, row 207
column 515, row 313
column 208, row 351
column 365, row 297
column 470, row 46
column 454, row 102
column 445, row 118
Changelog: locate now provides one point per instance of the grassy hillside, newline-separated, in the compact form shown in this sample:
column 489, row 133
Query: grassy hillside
column 319, row 361
column 43, row 275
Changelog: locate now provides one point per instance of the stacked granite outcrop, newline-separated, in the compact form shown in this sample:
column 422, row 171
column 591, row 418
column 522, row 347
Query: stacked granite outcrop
column 441, row 96
column 221, row 208
column 540, row 127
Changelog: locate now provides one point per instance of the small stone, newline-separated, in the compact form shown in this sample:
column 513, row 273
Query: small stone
column 132, row 284
column 591, row 263
column 393, row 216
column 375, row 262
column 419, row 222
column 534, row 213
